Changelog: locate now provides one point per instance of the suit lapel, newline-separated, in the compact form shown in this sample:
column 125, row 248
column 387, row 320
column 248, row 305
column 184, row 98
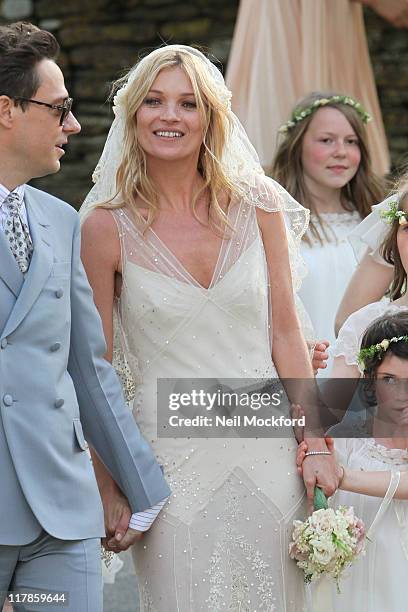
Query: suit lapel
column 40, row 266
column 9, row 270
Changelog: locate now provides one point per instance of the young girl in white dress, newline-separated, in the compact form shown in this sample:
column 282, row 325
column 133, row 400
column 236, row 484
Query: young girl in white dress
column 373, row 275
column 377, row 581
column 394, row 253
column 323, row 162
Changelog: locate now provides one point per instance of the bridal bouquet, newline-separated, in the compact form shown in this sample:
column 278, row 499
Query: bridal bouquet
column 327, row 542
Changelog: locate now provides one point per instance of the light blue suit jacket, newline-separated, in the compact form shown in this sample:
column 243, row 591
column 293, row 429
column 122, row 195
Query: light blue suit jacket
column 55, row 387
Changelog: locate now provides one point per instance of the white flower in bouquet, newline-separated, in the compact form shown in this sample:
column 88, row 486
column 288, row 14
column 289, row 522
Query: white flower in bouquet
column 327, row 542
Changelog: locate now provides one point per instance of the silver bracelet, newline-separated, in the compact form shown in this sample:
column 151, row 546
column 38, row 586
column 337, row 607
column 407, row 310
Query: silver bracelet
column 309, row 453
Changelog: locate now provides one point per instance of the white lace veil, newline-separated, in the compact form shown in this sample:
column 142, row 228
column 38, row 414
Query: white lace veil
column 240, row 163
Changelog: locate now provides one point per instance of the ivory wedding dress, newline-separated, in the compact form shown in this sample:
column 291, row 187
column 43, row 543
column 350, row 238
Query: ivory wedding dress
column 221, row 542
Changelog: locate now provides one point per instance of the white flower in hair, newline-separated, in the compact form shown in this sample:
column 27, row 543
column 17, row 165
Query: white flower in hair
column 223, row 94
column 119, row 101
column 227, row 97
column 385, row 344
column 96, row 174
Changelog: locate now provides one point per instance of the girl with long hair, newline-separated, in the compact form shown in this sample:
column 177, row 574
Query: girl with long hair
column 324, row 163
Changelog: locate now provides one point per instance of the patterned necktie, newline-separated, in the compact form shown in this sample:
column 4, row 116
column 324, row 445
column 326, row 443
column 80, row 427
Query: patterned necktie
column 17, row 233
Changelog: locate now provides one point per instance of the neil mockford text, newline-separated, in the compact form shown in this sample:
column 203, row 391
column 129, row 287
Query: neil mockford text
column 212, row 402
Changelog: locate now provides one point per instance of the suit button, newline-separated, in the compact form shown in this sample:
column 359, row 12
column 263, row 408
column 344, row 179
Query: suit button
column 8, row 399
column 59, row 293
column 55, row 347
column 59, row 402
column 3, row 343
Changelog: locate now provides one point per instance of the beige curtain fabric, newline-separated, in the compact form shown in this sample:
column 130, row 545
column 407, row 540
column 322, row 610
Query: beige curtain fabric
column 284, row 49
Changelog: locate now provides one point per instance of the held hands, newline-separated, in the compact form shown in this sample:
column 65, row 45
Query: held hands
column 119, row 536
column 119, row 545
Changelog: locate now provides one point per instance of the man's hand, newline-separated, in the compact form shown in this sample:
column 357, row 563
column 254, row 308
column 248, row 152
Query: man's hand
column 116, row 510
column 117, row 516
column 319, row 470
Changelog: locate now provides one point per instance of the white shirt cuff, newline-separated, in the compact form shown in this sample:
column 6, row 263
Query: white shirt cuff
column 142, row 521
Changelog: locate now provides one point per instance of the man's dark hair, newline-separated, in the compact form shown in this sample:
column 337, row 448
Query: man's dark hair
column 22, row 47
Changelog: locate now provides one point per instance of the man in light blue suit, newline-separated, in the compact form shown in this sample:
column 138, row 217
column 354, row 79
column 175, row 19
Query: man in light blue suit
column 56, row 390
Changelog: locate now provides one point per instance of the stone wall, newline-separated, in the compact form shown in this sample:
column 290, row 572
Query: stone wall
column 389, row 55
column 101, row 38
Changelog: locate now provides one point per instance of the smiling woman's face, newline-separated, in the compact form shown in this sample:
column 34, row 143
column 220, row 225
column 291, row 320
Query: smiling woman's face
column 330, row 150
column 169, row 125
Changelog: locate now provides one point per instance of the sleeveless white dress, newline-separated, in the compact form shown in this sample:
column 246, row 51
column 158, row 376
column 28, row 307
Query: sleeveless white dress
column 377, row 581
column 221, row 542
column 330, row 266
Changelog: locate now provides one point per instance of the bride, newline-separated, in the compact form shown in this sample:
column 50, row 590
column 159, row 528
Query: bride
column 194, row 251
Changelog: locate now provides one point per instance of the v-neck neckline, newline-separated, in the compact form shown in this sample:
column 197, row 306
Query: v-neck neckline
column 177, row 264
column 183, row 267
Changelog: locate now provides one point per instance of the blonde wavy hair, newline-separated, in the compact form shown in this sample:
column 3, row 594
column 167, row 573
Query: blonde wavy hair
column 212, row 98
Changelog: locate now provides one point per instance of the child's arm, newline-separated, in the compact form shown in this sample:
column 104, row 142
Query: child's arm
column 358, row 481
column 372, row 483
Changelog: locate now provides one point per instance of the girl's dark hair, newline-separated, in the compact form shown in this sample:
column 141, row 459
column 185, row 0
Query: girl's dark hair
column 384, row 328
column 389, row 250
column 364, row 189
column 22, row 47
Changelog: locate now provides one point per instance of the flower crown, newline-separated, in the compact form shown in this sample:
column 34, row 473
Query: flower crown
column 394, row 214
column 300, row 114
column 377, row 350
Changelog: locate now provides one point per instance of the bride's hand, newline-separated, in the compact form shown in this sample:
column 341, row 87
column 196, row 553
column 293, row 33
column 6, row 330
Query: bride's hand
column 131, row 536
column 320, row 471
column 302, row 450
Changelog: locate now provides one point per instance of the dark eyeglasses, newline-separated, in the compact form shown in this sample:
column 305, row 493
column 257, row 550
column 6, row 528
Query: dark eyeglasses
column 64, row 108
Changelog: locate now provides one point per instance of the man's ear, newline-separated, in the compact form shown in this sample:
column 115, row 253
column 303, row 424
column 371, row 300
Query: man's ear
column 7, row 111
